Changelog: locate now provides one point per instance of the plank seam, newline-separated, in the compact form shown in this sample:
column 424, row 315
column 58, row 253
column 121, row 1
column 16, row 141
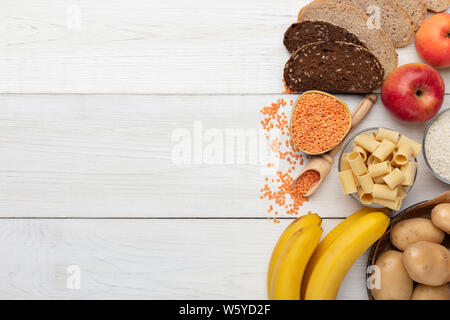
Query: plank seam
column 156, row 218
column 153, row 94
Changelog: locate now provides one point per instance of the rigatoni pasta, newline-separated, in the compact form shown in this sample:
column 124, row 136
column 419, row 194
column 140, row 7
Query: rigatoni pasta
column 394, row 178
column 372, row 160
column 356, row 163
column 364, row 197
column 380, row 167
column 361, row 151
column 379, row 180
column 404, row 152
column 347, row 181
column 344, row 162
column 390, row 135
column 391, row 204
column 384, row 149
column 401, row 193
column 356, row 181
column 416, row 147
column 409, row 171
column 382, row 191
column 366, row 183
column 367, row 142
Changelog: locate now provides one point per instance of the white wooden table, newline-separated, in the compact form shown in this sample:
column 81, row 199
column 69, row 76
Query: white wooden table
column 91, row 93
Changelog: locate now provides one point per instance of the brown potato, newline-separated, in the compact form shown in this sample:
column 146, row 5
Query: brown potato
column 424, row 292
column 440, row 216
column 409, row 231
column 395, row 283
column 427, row 263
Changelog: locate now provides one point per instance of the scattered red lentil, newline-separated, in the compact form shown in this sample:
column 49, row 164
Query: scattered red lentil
column 286, row 88
column 281, row 192
column 319, row 122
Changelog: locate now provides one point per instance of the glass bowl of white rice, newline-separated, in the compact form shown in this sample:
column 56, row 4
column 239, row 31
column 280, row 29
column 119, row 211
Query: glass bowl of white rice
column 436, row 146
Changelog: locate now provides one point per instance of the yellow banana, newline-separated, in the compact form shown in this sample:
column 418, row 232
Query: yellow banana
column 333, row 265
column 297, row 224
column 288, row 271
column 329, row 239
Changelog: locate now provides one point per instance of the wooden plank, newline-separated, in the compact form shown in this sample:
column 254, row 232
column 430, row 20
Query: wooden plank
column 151, row 47
column 145, row 259
column 111, row 156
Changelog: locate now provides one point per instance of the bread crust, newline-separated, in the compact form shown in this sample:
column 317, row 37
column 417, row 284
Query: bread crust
column 411, row 21
column 420, row 5
column 400, row 37
column 357, row 11
column 305, row 32
column 333, row 66
column 441, row 7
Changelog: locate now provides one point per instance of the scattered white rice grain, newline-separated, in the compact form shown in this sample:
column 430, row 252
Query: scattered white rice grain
column 437, row 145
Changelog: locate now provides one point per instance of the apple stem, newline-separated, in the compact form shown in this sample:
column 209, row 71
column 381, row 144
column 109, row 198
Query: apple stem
column 419, row 93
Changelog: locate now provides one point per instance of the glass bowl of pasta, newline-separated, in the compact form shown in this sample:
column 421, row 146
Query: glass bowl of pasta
column 378, row 167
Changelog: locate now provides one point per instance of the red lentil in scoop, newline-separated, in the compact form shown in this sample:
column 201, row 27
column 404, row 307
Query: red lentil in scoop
column 319, row 122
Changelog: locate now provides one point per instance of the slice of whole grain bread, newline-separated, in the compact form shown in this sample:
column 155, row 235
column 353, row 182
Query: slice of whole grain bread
column 354, row 20
column 437, row 5
column 305, row 32
column 417, row 9
column 338, row 66
column 394, row 19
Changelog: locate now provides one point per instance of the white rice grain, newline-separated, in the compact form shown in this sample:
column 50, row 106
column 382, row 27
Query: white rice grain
column 437, row 145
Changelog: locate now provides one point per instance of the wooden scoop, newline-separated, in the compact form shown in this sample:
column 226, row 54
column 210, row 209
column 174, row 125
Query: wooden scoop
column 322, row 164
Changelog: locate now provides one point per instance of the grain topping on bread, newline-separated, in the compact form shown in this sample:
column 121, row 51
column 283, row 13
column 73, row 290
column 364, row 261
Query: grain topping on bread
column 303, row 33
column 353, row 20
column 333, row 67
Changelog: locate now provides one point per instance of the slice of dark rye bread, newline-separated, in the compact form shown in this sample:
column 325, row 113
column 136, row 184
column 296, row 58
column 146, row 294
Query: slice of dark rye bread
column 305, row 32
column 338, row 67
column 355, row 21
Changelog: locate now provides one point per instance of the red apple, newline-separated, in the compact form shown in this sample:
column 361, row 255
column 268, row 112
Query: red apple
column 433, row 40
column 413, row 92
